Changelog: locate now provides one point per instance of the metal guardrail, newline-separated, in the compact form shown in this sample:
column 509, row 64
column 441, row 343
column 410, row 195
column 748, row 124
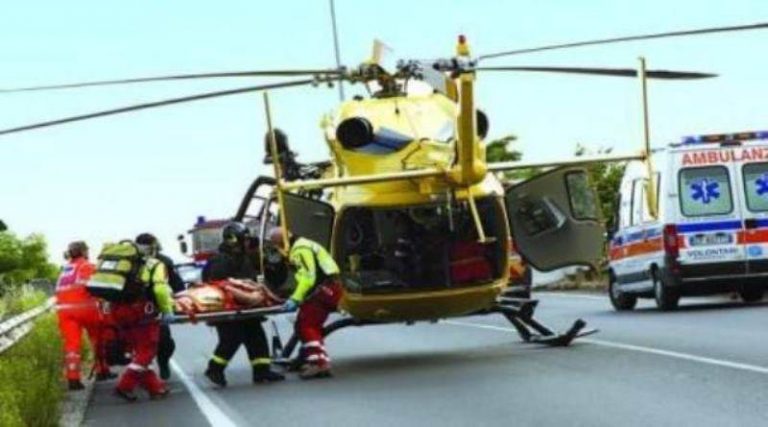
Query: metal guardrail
column 15, row 328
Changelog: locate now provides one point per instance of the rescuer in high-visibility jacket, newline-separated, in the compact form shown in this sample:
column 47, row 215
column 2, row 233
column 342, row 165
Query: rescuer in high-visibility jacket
column 77, row 310
column 317, row 294
column 139, row 322
column 167, row 345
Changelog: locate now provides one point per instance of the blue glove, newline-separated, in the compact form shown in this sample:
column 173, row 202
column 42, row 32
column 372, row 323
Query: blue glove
column 290, row 305
column 167, row 318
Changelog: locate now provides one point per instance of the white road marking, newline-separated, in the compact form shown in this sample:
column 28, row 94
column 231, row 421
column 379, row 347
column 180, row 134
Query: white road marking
column 215, row 416
column 650, row 350
column 571, row 295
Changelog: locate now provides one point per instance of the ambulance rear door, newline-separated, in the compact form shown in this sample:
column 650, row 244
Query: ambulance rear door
column 753, row 170
column 709, row 212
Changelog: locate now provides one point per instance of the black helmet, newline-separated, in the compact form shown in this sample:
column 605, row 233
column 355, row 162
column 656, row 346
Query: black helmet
column 234, row 234
column 148, row 243
column 281, row 141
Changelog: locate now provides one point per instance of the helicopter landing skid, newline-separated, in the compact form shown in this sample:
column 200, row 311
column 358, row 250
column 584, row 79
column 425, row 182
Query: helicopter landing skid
column 519, row 312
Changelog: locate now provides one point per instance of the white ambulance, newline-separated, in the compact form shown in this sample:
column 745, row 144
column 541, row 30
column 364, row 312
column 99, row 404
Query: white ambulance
column 711, row 232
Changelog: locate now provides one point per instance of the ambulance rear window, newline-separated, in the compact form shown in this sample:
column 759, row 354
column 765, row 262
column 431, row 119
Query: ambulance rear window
column 705, row 191
column 756, row 186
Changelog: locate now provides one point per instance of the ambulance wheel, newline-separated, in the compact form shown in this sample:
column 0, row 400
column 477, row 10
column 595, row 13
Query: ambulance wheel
column 621, row 301
column 752, row 294
column 665, row 296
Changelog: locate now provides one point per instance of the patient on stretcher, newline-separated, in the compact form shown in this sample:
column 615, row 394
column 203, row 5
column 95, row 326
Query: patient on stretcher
column 224, row 295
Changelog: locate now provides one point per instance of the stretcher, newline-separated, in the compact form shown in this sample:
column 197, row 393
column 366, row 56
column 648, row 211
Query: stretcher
column 226, row 315
column 223, row 300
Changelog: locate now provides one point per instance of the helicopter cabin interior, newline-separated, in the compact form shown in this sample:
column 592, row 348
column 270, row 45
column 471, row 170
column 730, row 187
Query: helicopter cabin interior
column 428, row 247
column 408, row 248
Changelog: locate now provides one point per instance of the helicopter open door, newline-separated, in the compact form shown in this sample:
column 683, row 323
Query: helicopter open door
column 309, row 218
column 554, row 219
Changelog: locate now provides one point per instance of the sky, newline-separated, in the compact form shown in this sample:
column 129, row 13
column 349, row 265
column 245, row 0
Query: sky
column 157, row 170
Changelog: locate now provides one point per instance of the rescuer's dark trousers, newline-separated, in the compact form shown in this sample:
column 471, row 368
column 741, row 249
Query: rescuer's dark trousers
column 247, row 332
column 166, row 346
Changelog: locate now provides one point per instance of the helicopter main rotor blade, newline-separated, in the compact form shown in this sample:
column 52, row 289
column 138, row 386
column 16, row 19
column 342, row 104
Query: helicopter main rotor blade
column 758, row 26
column 262, row 73
column 611, row 72
column 156, row 104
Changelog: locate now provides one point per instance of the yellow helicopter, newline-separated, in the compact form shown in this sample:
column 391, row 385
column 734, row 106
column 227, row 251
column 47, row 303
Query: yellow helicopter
column 421, row 226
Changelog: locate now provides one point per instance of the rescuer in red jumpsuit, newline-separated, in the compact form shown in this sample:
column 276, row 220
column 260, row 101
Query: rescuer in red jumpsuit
column 78, row 310
column 139, row 322
column 317, row 294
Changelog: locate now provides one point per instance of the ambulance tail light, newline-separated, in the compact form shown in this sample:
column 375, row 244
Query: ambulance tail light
column 671, row 245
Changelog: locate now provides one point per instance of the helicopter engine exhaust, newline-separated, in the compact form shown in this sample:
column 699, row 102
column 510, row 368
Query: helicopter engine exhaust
column 355, row 132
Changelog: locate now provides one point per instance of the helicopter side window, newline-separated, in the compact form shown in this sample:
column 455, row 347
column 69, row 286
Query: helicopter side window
column 580, row 195
column 252, row 216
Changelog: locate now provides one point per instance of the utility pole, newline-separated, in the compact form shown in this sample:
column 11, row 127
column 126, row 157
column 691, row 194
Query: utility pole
column 336, row 48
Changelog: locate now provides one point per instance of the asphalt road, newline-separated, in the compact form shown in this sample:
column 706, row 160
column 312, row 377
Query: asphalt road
column 704, row 365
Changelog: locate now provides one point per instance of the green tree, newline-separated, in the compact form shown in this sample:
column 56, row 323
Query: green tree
column 22, row 260
column 498, row 150
column 606, row 178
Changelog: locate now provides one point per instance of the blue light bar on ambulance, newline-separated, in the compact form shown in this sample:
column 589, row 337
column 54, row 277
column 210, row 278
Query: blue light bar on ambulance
column 725, row 137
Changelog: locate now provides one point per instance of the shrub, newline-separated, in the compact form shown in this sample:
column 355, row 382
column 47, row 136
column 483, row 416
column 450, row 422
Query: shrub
column 30, row 377
column 19, row 300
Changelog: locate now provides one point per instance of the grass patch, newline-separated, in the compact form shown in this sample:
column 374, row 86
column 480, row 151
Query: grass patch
column 19, row 299
column 30, row 378
column 30, row 372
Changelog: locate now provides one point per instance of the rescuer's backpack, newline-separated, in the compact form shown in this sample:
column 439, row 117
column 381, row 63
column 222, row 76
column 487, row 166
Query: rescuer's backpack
column 117, row 273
